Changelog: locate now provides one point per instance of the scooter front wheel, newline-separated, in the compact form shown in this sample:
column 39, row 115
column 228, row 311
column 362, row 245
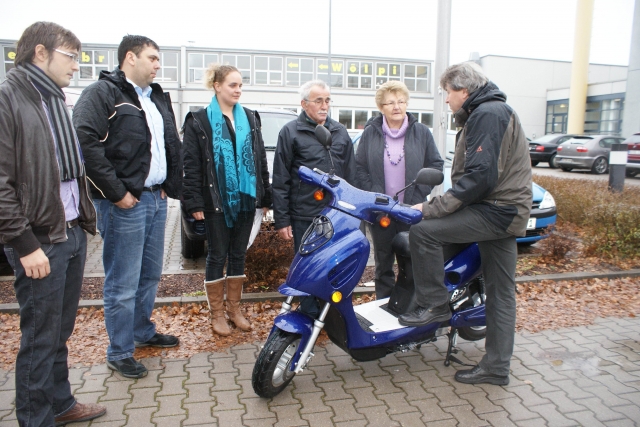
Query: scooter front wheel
column 272, row 371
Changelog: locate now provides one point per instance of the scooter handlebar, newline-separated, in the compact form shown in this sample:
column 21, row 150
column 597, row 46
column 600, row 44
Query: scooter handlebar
column 359, row 203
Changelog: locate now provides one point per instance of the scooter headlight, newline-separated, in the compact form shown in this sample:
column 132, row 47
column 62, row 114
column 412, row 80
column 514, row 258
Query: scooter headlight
column 319, row 232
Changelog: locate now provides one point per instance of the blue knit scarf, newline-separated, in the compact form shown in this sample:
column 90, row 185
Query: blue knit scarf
column 236, row 173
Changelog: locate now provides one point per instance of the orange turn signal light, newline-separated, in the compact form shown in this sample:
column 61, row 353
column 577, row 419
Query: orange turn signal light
column 336, row 297
column 318, row 195
column 385, row 221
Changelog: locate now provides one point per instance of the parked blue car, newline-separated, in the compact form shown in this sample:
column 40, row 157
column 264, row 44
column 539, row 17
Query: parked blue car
column 543, row 209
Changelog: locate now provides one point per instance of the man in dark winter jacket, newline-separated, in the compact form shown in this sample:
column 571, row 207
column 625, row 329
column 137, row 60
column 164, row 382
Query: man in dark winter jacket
column 489, row 203
column 293, row 204
column 131, row 146
column 45, row 210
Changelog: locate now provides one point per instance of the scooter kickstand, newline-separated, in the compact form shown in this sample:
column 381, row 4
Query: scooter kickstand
column 453, row 338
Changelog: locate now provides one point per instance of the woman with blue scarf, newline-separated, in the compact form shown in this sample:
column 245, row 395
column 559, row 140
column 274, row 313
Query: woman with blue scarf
column 225, row 179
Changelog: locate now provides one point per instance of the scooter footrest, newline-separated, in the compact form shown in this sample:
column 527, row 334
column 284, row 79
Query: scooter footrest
column 364, row 323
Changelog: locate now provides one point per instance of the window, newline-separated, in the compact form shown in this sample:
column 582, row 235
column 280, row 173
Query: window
column 604, row 114
column 337, row 72
column 386, row 72
column 9, row 57
column 299, row 71
column 416, row 77
column 353, row 119
column 427, row 119
column 242, row 63
column 92, row 62
column 557, row 116
column 198, row 63
column 268, row 70
column 168, row 71
column 359, row 75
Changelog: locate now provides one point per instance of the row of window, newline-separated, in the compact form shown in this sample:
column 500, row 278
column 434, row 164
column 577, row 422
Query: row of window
column 357, row 119
column 603, row 115
column 266, row 70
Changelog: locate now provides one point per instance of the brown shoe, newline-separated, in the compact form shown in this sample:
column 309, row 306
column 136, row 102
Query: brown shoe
column 215, row 298
column 234, row 295
column 81, row 412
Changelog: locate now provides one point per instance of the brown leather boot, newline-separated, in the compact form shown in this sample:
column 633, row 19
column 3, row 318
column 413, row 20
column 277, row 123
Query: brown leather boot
column 215, row 298
column 234, row 295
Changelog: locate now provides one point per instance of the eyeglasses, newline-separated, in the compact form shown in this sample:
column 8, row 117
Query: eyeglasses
column 73, row 56
column 320, row 101
column 401, row 103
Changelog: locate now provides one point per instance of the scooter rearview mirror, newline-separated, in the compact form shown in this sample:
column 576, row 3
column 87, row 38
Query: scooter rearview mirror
column 324, row 136
column 429, row 176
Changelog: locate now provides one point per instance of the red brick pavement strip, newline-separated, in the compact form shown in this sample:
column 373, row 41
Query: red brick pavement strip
column 588, row 375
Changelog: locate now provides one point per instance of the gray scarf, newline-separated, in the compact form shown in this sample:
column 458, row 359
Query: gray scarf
column 69, row 156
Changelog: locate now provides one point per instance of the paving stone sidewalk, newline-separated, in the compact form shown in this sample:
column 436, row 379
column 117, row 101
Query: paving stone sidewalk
column 585, row 376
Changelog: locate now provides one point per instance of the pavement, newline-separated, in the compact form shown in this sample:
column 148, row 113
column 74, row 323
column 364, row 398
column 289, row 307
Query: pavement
column 583, row 376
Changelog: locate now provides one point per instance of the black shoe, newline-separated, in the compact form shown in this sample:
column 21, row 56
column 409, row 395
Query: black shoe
column 424, row 315
column 160, row 340
column 477, row 375
column 129, row 367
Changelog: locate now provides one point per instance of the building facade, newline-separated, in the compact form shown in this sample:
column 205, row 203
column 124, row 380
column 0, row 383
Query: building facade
column 537, row 89
column 270, row 79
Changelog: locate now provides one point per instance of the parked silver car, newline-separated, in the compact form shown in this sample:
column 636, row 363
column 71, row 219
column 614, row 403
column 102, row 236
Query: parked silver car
column 586, row 152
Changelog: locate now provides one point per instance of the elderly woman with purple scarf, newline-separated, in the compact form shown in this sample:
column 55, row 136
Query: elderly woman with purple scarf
column 392, row 149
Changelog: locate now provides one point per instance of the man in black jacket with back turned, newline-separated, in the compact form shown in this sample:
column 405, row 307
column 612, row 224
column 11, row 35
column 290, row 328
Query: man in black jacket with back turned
column 131, row 146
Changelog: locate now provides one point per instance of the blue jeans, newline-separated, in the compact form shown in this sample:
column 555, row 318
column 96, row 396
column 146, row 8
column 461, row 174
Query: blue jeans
column 48, row 308
column 227, row 244
column 132, row 256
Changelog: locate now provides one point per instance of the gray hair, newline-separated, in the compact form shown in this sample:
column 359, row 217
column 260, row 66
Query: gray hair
column 466, row 75
column 305, row 89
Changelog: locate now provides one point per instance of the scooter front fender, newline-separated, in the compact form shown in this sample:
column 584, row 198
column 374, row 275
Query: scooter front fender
column 474, row 316
column 295, row 323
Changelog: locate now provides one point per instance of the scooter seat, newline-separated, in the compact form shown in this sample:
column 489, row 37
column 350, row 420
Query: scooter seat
column 400, row 244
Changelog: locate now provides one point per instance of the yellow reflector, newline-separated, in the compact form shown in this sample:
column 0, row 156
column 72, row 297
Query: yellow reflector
column 318, row 195
column 336, row 297
column 385, row 221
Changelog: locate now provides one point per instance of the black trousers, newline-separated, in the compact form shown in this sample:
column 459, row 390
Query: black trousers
column 383, row 254
column 498, row 251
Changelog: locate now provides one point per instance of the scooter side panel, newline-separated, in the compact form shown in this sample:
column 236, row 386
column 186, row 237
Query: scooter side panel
column 474, row 316
column 466, row 265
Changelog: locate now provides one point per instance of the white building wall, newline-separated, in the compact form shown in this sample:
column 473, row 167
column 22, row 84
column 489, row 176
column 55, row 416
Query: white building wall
column 530, row 83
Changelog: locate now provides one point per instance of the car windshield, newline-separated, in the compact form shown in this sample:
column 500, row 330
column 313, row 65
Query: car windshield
column 580, row 140
column 633, row 139
column 271, row 125
column 546, row 138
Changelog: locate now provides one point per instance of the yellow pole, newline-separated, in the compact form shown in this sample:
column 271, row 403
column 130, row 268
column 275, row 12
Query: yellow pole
column 580, row 67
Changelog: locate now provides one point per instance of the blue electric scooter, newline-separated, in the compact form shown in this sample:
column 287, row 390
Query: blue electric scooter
column 328, row 266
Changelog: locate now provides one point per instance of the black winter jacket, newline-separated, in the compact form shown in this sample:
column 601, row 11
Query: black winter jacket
column 31, row 211
column 420, row 151
column 298, row 146
column 116, row 141
column 199, row 171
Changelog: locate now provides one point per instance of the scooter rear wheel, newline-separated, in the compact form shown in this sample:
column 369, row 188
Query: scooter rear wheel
column 473, row 333
column 272, row 371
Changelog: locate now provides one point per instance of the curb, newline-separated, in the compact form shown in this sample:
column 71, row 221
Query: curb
column 360, row 290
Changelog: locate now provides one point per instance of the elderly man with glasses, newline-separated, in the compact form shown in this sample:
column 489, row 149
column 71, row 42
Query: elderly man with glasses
column 294, row 206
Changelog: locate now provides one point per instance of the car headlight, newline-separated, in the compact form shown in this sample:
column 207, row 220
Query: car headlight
column 547, row 201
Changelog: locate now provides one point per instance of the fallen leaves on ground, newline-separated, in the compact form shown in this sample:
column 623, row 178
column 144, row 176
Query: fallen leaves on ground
column 545, row 305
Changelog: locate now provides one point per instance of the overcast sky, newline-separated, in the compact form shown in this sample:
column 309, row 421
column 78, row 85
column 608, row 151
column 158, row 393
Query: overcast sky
column 389, row 28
